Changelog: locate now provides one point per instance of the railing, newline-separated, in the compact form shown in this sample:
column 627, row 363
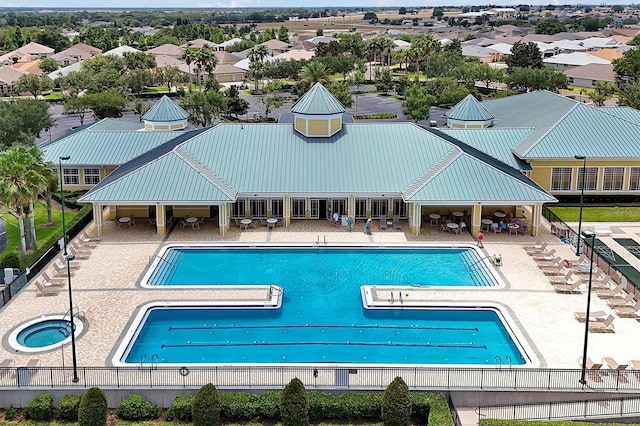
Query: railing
column 145, row 376
column 587, row 409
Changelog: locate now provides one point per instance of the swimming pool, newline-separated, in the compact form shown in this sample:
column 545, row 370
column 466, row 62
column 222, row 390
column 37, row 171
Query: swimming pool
column 323, row 317
column 314, row 267
column 43, row 334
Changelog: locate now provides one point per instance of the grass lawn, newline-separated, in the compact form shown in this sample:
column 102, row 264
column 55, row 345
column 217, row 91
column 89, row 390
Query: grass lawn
column 598, row 214
column 43, row 231
column 53, row 96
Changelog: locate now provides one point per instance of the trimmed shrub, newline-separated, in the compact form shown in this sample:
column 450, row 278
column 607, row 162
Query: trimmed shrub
column 270, row 405
column 10, row 260
column 180, row 409
column 206, row 406
column 396, row 404
column 361, row 406
column 136, row 408
column 93, row 408
column 420, row 408
column 68, row 407
column 239, row 406
column 10, row 413
column 40, row 407
column 294, row 405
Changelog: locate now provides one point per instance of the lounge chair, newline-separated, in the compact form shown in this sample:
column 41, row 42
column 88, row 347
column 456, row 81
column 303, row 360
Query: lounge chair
column 80, row 255
column 547, row 263
column 396, row 222
column 628, row 311
column 545, row 257
column 538, row 247
column 602, row 282
column 612, row 364
column 619, row 301
column 594, row 368
column 86, row 238
column 568, row 288
column 383, row 222
column 585, row 269
column 635, row 365
column 610, row 293
column 593, row 316
column 80, row 249
column 553, row 270
column 61, row 261
column 60, row 269
column 605, row 326
column 42, row 290
column 53, row 281
column 566, row 279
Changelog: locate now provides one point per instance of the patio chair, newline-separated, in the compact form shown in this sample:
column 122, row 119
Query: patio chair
column 602, row 282
column 565, row 279
column 619, row 300
column 635, row 366
column 396, row 222
column 86, row 238
column 537, row 248
column 593, row 316
column 556, row 261
column 53, row 281
column 613, row 364
column 594, row 369
column 80, row 255
column 610, row 293
column 550, row 255
column 553, row 270
column 383, row 222
column 42, row 290
column 82, row 249
column 61, row 269
column 605, row 326
column 5, row 365
column 568, row 288
column 628, row 311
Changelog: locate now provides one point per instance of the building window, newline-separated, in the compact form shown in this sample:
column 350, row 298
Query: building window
column 378, row 208
column 71, row 176
column 399, row 208
column 297, row 208
column 613, row 179
column 237, row 210
column 634, row 179
column 590, row 181
column 276, row 208
column 339, row 206
column 259, row 209
column 91, row 176
column 561, row 178
column 361, row 208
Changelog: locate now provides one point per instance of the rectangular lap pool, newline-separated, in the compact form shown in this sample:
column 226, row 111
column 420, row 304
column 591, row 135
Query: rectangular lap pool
column 322, row 318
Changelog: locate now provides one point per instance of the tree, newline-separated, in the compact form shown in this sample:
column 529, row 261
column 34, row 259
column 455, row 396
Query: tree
column 170, row 76
column 294, row 404
column 21, row 180
column 314, row 72
column 77, row 105
column 206, row 61
column 205, row 409
column 271, row 97
column 402, row 11
column 524, row 55
column 396, row 404
column 139, row 61
column 603, row 91
column 93, row 408
column 33, row 84
column 628, row 67
column 235, row 104
column 256, row 57
column 340, row 89
column 283, row 34
column 21, row 121
column 48, row 65
column 525, row 79
column 201, row 112
column 550, row 26
column 630, row 96
column 417, row 103
column 135, row 81
column 189, row 56
column 107, row 104
column 384, row 80
column 422, row 47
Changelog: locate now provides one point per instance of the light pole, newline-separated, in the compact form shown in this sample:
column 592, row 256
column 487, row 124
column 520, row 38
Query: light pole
column 592, row 236
column 68, row 258
column 584, row 174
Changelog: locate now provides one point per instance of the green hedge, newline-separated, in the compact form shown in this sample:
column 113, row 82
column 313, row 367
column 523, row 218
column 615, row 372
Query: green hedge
column 40, row 407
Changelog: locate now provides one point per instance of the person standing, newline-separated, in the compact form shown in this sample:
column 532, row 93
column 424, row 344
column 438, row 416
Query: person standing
column 480, row 238
column 367, row 226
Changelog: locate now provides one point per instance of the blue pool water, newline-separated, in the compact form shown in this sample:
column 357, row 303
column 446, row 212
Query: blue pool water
column 44, row 333
column 322, row 318
column 315, row 268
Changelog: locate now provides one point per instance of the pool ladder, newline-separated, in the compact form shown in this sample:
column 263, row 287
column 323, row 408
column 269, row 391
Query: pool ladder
column 324, row 237
column 154, row 361
column 498, row 361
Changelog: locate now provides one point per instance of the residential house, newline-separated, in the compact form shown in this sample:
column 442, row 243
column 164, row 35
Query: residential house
column 76, row 53
column 586, row 76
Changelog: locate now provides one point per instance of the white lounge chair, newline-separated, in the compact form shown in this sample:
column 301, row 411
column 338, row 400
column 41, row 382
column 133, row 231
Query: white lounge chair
column 42, row 290
column 383, row 222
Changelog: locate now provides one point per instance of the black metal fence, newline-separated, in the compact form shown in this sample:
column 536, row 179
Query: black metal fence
column 149, row 376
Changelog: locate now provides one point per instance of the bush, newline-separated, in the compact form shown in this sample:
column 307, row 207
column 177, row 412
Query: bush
column 206, row 406
column 396, row 404
column 10, row 260
column 180, row 409
column 420, row 408
column 294, row 406
column 10, row 413
column 68, row 407
column 40, row 407
column 136, row 408
column 270, row 405
column 93, row 408
column 363, row 406
column 239, row 406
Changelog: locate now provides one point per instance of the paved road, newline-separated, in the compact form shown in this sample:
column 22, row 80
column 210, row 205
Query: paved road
column 364, row 103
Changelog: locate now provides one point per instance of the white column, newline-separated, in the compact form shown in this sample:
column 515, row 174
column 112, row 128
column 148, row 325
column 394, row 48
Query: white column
column 97, row 219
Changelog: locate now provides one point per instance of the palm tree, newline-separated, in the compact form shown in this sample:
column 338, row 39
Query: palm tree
column 256, row 56
column 189, row 56
column 373, row 49
column 386, row 47
column 421, row 48
column 314, row 72
column 21, row 180
column 206, row 60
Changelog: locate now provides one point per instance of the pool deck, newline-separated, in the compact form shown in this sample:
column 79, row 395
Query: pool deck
column 106, row 289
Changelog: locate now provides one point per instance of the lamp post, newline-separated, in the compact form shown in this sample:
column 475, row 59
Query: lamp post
column 68, row 258
column 592, row 236
column 584, row 174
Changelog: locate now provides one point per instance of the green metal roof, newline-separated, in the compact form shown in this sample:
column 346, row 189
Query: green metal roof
column 588, row 131
column 469, row 109
column 496, row 142
column 90, row 147
column 165, row 110
column 385, row 159
column 318, row 101
column 114, row 125
column 623, row 112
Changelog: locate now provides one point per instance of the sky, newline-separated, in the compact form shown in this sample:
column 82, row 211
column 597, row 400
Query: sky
column 270, row 3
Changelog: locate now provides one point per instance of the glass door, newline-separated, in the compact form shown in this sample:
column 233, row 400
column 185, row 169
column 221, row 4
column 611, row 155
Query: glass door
column 315, row 208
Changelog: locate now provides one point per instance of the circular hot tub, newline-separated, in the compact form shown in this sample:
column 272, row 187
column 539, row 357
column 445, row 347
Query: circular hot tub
column 44, row 333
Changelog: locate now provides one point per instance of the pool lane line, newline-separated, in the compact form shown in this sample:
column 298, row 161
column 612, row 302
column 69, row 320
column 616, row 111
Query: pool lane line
column 353, row 327
column 413, row 345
